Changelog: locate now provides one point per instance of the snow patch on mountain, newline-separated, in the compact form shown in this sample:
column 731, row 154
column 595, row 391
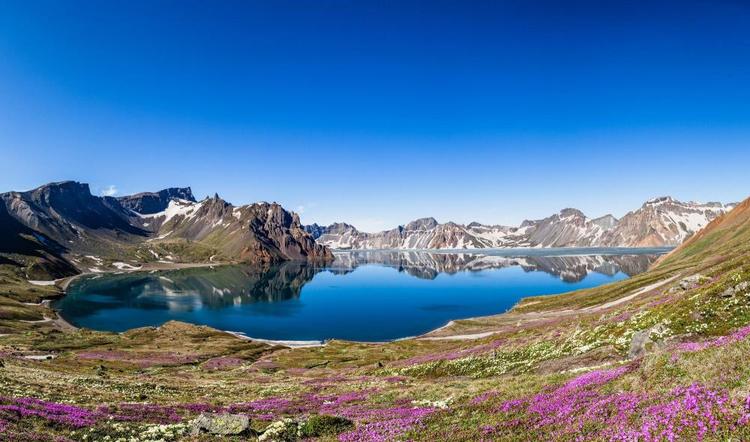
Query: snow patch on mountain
column 661, row 221
column 176, row 207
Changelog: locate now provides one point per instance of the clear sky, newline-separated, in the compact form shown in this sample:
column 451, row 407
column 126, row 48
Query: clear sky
column 379, row 112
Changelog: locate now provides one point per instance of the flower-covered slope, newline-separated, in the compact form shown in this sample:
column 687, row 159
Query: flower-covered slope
column 660, row 356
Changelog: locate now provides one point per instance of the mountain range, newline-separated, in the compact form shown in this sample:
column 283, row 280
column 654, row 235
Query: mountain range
column 61, row 229
column 658, row 222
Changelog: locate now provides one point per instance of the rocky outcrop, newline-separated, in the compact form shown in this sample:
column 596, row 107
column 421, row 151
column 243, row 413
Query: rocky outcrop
column 644, row 341
column 221, row 424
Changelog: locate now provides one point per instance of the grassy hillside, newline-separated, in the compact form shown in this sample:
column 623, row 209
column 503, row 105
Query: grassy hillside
column 660, row 356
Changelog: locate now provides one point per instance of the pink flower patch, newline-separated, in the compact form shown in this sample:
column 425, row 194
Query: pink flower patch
column 222, row 363
column 738, row 335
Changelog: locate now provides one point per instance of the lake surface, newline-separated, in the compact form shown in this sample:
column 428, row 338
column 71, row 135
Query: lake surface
column 362, row 295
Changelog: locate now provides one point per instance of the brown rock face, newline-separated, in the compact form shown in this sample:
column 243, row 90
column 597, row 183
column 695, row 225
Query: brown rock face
column 260, row 232
column 280, row 234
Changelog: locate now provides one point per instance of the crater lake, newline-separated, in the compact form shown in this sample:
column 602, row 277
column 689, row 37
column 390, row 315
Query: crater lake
column 361, row 295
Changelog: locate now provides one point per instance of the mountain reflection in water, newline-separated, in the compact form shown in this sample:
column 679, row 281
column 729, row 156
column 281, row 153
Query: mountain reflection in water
column 362, row 295
column 215, row 287
column 568, row 267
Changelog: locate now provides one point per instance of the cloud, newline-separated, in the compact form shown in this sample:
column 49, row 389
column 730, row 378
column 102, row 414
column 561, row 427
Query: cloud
column 110, row 190
column 300, row 209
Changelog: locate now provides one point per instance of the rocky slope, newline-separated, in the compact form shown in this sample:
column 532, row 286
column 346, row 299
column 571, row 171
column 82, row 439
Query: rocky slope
column 61, row 228
column 658, row 222
column 262, row 231
column 663, row 221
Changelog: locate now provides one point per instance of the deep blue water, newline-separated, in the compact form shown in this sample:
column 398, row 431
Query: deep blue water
column 365, row 296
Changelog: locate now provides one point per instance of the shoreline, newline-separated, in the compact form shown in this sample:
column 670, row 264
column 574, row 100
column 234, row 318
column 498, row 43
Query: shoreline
column 434, row 334
column 430, row 335
column 283, row 343
column 64, row 283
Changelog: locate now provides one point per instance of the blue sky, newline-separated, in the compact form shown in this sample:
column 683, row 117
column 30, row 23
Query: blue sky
column 376, row 113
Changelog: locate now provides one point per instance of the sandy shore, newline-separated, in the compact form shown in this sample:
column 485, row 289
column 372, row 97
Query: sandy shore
column 290, row 344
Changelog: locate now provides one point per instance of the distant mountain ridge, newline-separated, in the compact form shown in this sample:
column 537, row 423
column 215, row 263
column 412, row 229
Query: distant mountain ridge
column 61, row 229
column 153, row 202
column 658, row 222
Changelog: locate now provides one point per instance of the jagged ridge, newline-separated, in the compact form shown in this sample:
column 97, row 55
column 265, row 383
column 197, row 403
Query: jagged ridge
column 63, row 228
column 658, row 222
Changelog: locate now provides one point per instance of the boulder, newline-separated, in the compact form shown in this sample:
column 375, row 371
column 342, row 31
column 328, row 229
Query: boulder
column 692, row 281
column 739, row 288
column 221, row 424
column 285, row 430
column 642, row 342
column 688, row 283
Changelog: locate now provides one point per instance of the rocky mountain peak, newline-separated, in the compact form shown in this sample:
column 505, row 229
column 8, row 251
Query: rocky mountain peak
column 340, row 228
column 147, row 203
column 570, row 212
column 315, row 230
column 61, row 190
column 657, row 201
column 605, row 222
column 183, row 193
column 422, row 224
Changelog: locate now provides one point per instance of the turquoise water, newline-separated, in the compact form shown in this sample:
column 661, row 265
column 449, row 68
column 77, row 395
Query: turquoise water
column 365, row 296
